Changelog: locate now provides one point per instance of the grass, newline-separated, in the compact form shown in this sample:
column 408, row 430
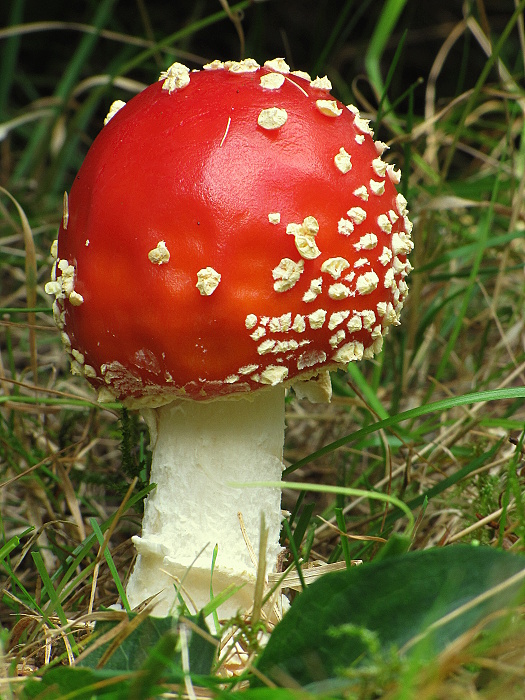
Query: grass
column 431, row 432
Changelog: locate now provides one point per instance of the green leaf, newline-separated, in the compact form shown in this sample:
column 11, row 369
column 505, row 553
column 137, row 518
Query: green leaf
column 141, row 662
column 134, row 651
column 111, row 564
column 274, row 694
column 202, row 650
column 7, row 548
column 396, row 545
column 69, row 683
column 418, row 601
column 155, row 668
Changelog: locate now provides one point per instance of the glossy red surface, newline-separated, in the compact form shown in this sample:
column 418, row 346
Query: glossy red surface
column 194, row 169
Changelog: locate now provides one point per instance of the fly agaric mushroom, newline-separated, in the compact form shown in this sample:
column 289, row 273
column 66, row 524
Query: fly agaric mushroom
column 231, row 232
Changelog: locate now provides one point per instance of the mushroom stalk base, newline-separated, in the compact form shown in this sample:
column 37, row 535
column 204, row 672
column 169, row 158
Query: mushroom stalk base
column 199, row 450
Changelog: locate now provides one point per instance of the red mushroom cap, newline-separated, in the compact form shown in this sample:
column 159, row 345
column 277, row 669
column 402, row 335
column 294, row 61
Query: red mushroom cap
column 229, row 229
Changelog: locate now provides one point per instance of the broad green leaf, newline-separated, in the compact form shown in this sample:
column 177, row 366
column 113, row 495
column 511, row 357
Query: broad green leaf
column 141, row 662
column 133, row 652
column 275, row 694
column 155, row 668
column 77, row 684
column 420, row 600
column 202, row 650
column 396, row 545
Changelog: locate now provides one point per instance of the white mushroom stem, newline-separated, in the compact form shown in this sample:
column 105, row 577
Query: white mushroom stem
column 199, row 450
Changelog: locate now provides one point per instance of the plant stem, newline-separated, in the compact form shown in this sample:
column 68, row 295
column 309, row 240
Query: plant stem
column 199, row 450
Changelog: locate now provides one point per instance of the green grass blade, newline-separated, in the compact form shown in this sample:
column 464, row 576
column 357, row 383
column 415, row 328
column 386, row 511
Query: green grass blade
column 484, row 74
column 8, row 547
column 445, row 483
column 54, row 602
column 40, row 137
column 484, row 227
column 111, row 564
column 302, row 524
column 367, row 392
column 382, row 33
column 9, row 57
column 49, row 589
column 427, row 409
column 389, row 77
column 341, row 524
column 328, row 488
column 295, row 553
column 334, row 36
column 64, row 575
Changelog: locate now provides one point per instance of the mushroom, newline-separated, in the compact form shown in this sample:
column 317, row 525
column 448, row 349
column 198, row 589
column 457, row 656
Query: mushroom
column 232, row 232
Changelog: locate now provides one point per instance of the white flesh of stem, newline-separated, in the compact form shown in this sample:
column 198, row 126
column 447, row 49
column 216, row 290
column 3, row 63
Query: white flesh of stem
column 199, row 449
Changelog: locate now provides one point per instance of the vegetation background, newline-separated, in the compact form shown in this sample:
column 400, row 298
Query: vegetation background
column 437, row 420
